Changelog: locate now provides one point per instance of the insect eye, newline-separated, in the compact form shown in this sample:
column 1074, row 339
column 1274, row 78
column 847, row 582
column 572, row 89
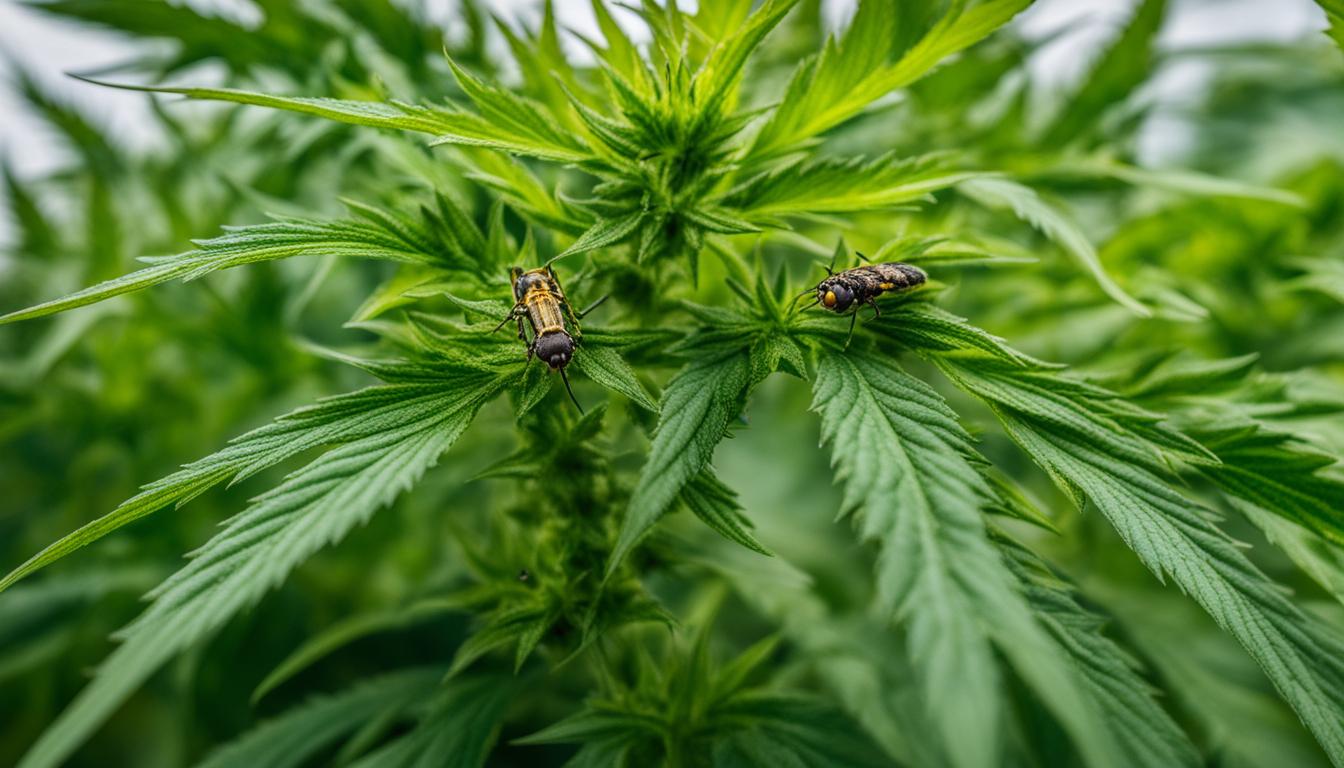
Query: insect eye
column 841, row 297
column 829, row 299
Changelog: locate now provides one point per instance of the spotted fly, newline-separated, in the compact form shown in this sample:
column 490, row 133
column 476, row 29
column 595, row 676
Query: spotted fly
column 850, row 289
column 539, row 299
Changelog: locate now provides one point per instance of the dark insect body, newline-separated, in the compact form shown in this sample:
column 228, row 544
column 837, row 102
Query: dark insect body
column 862, row 285
column 539, row 299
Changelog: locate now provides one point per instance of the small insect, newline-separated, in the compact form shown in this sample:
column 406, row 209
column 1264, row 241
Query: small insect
column 539, row 299
column 862, row 285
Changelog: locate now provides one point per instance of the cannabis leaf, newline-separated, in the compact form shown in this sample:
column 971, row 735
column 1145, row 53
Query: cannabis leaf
column 1273, row 471
column 842, row 186
column 1094, row 451
column 1028, row 206
column 346, row 631
column 909, row 472
column 295, row 737
column 509, row 122
column 715, row 711
column 337, row 420
column 1116, row 72
column 1334, row 12
column 723, row 67
column 605, row 366
column 458, row 728
column 313, row 507
column 696, row 408
column 716, row 505
column 379, row 235
column 927, row 625
column 373, row 114
column 848, row 75
column 1143, row 730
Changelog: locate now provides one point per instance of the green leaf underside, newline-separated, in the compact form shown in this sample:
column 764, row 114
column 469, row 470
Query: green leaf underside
column 1144, row 731
column 447, row 125
column 1098, row 459
column 344, row 632
column 696, row 408
column 1028, row 206
column 293, row 738
column 1270, row 470
column 716, row 505
column 341, row 419
column 312, row 508
column 842, row 186
column 458, row 729
column 250, row 245
column 908, row 473
column 1122, row 67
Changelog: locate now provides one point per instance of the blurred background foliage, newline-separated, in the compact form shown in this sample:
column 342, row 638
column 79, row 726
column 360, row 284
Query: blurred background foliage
column 1246, row 289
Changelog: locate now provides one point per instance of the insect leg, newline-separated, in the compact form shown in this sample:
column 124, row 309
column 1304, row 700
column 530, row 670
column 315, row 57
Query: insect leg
column 853, row 317
column 564, row 301
column 555, row 282
column 862, row 258
column 511, row 315
column 876, row 312
column 806, row 307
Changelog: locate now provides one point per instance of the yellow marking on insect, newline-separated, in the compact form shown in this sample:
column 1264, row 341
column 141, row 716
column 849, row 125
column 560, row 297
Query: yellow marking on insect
column 829, row 299
column 886, row 286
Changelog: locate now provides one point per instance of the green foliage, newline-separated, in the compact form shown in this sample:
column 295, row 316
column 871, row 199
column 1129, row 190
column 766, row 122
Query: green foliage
column 685, row 707
column 1334, row 11
column 893, row 438
column 296, row 736
column 1045, row 564
column 1104, row 453
column 1028, row 206
column 1117, row 72
column 697, row 407
column 313, row 508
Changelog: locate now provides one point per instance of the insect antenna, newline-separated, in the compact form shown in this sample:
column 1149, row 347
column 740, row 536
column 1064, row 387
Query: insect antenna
column 794, row 303
column 830, row 269
column 593, row 306
column 575, row 400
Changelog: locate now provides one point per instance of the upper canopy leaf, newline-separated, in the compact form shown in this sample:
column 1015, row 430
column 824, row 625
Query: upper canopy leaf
column 850, row 74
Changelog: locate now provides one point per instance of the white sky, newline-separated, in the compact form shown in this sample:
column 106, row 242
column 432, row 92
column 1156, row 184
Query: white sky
column 47, row 48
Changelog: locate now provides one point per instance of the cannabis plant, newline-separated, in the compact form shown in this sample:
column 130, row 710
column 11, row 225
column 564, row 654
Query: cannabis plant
column 1021, row 551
